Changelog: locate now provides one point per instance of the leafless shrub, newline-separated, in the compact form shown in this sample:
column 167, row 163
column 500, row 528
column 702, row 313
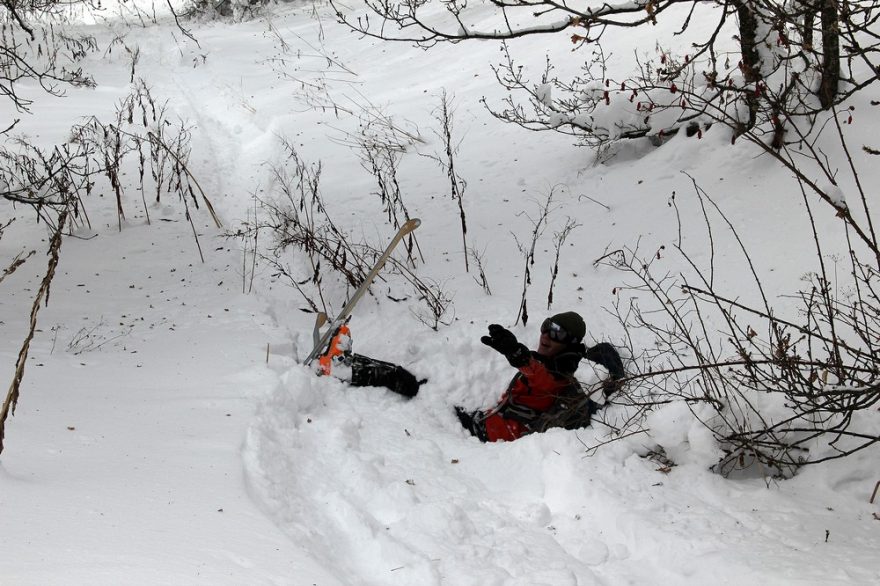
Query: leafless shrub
column 559, row 239
column 481, row 279
column 313, row 72
column 51, row 180
column 437, row 302
column 527, row 249
column 382, row 161
column 457, row 185
column 375, row 125
column 380, row 140
column 48, row 180
column 43, row 53
column 782, row 392
column 298, row 221
column 143, row 129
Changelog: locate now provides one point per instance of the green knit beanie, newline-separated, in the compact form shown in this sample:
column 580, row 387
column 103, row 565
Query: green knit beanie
column 572, row 323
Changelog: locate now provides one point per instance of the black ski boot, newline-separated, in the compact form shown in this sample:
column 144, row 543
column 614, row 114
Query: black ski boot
column 369, row 372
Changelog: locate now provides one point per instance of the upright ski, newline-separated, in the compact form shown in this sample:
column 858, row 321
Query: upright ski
column 322, row 342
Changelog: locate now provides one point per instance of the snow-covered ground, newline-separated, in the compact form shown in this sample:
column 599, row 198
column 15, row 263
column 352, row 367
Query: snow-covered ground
column 166, row 433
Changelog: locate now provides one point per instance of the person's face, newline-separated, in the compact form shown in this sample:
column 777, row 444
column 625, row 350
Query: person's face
column 548, row 347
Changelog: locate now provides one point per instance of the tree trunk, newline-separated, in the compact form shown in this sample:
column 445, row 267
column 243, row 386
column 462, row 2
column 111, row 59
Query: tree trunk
column 751, row 59
column 830, row 54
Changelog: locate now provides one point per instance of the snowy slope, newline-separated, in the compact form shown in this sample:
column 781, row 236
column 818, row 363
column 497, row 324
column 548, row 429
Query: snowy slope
column 157, row 441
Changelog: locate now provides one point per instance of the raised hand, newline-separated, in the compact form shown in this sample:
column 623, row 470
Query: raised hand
column 504, row 342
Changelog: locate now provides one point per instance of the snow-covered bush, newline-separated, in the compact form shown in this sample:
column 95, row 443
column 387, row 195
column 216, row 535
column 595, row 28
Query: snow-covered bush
column 751, row 65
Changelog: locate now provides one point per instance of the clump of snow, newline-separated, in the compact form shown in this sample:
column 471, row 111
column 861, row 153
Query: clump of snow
column 836, row 195
column 684, row 434
column 544, row 93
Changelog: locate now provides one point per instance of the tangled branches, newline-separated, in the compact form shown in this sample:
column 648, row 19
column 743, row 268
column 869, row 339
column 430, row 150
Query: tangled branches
column 779, row 392
column 59, row 179
column 307, row 246
column 46, row 55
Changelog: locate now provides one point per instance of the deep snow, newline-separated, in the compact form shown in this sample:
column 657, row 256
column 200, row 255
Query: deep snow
column 167, row 434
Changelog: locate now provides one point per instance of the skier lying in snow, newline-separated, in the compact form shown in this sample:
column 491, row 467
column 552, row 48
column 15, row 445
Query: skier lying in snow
column 543, row 388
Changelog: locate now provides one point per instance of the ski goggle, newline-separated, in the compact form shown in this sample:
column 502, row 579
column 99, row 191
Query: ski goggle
column 556, row 332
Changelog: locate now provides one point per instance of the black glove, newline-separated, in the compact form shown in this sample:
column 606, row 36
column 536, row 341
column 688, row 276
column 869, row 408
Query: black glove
column 605, row 354
column 503, row 341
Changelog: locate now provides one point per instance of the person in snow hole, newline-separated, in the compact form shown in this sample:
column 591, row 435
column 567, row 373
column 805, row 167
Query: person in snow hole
column 544, row 386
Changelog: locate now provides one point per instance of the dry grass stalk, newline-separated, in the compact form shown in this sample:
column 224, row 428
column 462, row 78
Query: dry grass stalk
column 14, row 388
column 16, row 262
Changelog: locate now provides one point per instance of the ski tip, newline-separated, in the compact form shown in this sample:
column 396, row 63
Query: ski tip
column 413, row 223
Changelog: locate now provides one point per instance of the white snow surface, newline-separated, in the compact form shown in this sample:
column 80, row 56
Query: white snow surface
column 167, row 434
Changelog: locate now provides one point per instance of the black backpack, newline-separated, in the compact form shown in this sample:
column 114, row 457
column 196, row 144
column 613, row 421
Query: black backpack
column 574, row 408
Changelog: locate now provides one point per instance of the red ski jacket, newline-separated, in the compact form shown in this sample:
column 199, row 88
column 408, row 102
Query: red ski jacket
column 533, row 390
